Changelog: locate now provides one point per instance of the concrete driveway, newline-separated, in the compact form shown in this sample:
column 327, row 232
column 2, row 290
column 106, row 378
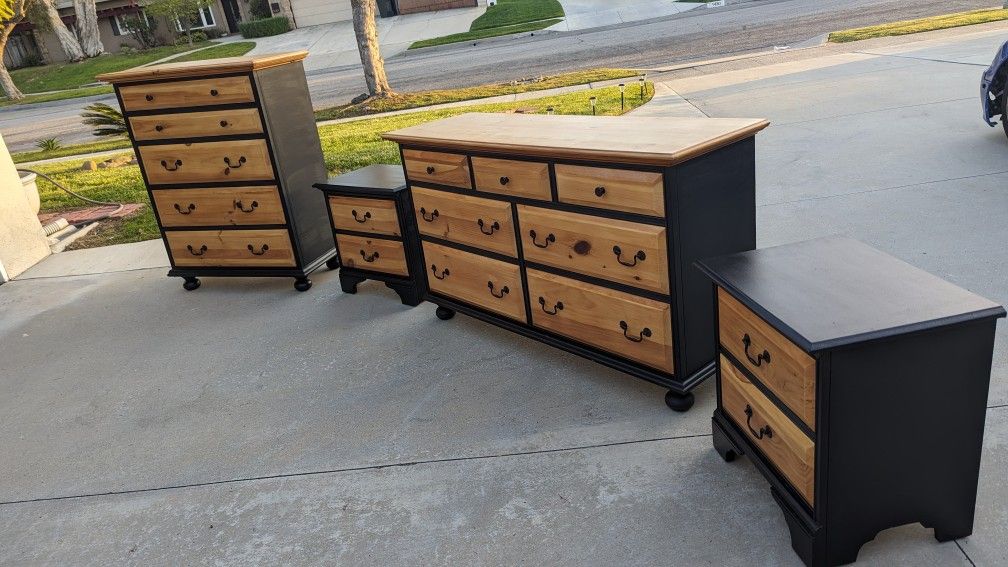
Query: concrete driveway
column 245, row 423
column 587, row 14
column 335, row 45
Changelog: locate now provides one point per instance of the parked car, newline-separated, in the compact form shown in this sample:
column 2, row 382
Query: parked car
column 993, row 91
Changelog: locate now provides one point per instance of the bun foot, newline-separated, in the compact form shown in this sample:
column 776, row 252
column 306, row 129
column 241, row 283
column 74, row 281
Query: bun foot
column 302, row 284
column 679, row 402
column 191, row 284
column 444, row 313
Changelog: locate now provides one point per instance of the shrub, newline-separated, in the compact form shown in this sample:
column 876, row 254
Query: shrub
column 142, row 30
column 196, row 36
column 259, row 9
column 32, row 60
column 213, row 33
column 264, row 27
column 48, row 144
column 127, row 49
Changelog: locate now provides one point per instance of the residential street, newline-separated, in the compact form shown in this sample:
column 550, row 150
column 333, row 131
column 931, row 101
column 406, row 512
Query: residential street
column 694, row 35
column 244, row 423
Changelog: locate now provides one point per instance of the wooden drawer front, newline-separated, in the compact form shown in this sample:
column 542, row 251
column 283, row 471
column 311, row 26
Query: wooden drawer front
column 361, row 214
column 376, row 254
column 633, row 327
column 790, row 450
column 437, row 167
column 778, row 363
column 620, row 251
column 198, row 92
column 619, row 189
column 481, row 281
column 219, row 207
column 196, row 124
column 483, row 223
column 249, row 248
column 241, row 160
column 511, row 177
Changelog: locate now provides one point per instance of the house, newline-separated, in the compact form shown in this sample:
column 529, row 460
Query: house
column 31, row 45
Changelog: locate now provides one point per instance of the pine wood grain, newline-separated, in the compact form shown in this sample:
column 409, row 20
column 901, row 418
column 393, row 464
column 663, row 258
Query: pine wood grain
column 377, row 254
column 618, row 189
column 584, row 244
column 196, row 124
column 205, row 161
column 219, row 206
column 377, row 216
column 456, row 218
column 596, row 315
column 790, row 450
column 474, row 279
column 219, row 66
column 437, row 167
column 198, row 92
column 790, row 373
column 512, row 177
column 230, row 248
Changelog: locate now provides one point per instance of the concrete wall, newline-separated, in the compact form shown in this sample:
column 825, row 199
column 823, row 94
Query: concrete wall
column 413, row 6
column 22, row 243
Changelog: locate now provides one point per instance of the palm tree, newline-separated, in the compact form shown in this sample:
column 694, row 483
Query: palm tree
column 12, row 13
column 107, row 121
column 87, row 27
column 367, row 43
column 44, row 14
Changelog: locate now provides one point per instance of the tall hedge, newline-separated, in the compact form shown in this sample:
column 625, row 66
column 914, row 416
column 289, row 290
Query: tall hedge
column 262, row 28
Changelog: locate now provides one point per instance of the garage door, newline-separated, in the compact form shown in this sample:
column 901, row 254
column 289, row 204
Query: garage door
column 315, row 12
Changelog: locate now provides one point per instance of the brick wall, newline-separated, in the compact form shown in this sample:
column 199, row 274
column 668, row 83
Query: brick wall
column 414, row 6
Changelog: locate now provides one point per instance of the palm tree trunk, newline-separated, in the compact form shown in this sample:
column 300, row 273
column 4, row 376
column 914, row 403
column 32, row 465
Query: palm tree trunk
column 6, row 82
column 68, row 41
column 367, row 43
column 87, row 27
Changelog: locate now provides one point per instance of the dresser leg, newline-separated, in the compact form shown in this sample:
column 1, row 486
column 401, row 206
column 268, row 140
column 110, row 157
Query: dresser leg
column 302, row 284
column 407, row 293
column 333, row 263
column 679, row 402
column 348, row 282
column 723, row 445
column 444, row 313
column 191, row 284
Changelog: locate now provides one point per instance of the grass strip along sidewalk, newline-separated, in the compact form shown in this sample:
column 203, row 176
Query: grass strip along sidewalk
column 507, row 17
column 922, row 25
column 346, row 146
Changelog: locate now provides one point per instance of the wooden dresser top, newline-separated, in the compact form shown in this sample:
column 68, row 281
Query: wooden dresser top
column 243, row 64
column 617, row 139
column 836, row 291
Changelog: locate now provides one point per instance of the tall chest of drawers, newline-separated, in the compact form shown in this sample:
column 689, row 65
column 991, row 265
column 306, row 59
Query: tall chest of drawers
column 229, row 151
column 581, row 231
column 857, row 384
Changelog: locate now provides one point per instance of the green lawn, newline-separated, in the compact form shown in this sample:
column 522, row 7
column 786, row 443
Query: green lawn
column 346, row 146
column 921, row 25
column 61, row 95
column 507, row 17
column 73, row 150
column 233, row 49
column 61, row 76
column 405, row 101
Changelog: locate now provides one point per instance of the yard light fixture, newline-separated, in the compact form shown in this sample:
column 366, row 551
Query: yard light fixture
column 622, row 96
column 592, row 100
column 641, row 81
column 549, row 110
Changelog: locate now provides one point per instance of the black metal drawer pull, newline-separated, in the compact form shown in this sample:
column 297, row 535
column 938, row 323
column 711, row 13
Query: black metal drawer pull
column 638, row 257
column 223, row 123
column 174, row 166
column 764, row 431
column 430, row 170
column 263, row 250
column 238, row 205
column 493, row 227
column 363, row 218
column 227, row 160
column 188, row 210
column 503, row 291
column 370, row 258
column 760, row 358
column 433, row 214
column 444, row 273
column 202, row 250
column 158, row 127
column 150, row 98
column 550, row 238
column 558, row 306
column 504, row 180
column 213, row 92
column 645, row 333
column 599, row 191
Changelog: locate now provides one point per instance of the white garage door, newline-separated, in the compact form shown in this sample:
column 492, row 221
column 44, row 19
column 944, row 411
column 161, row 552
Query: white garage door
column 315, row 12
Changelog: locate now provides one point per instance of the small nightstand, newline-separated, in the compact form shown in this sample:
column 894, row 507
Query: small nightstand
column 857, row 384
column 371, row 216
